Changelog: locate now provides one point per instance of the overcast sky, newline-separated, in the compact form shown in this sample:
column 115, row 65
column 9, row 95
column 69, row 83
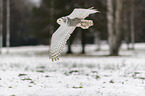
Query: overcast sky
column 37, row 2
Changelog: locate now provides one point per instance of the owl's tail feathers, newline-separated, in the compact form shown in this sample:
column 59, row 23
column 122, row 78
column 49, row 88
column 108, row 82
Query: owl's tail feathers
column 85, row 24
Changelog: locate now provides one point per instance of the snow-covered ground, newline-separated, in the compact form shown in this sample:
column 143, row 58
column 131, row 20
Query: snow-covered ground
column 27, row 71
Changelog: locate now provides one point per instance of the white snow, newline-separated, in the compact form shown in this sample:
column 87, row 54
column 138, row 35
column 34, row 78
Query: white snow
column 28, row 71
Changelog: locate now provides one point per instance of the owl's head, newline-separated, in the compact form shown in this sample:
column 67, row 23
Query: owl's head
column 61, row 21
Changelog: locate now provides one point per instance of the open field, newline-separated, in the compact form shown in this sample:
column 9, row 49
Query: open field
column 28, row 71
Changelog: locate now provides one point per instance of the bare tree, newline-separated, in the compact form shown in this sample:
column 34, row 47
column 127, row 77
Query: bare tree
column 132, row 24
column 83, row 40
column 1, row 25
column 114, row 25
column 125, row 23
column 51, row 17
column 118, row 32
column 97, row 40
column 110, row 24
column 70, row 41
column 8, row 25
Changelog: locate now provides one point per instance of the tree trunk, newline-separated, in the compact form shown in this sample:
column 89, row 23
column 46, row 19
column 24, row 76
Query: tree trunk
column 132, row 25
column 1, row 25
column 70, row 41
column 125, row 24
column 51, row 24
column 83, row 37
column 97, row 40
column 8, row 26
column 114, row 26
column 110, row 25
column 118, row 32
column 69, row 47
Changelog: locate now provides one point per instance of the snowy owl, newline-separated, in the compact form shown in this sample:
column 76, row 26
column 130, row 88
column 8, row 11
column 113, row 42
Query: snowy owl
column 67, row 26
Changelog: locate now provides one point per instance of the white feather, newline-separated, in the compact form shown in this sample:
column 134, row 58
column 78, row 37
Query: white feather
column 59, row 39
column 81, row 13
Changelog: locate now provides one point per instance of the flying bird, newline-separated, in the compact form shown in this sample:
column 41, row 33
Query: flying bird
column 67, row 26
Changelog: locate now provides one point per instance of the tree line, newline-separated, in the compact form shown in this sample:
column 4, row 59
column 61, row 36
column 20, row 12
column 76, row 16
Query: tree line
column 119, row 20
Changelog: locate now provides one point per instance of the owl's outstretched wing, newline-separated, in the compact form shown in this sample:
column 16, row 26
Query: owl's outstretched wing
column 81, row 13
column 58, row 41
